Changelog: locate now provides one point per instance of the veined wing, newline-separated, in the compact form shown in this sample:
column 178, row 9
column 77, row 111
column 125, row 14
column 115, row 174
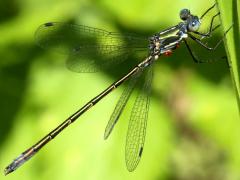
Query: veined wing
column 88, row 48
column 137, row 124
column 121, row 104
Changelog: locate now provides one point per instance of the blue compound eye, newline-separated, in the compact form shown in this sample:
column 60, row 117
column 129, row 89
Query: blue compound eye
column 194, row 24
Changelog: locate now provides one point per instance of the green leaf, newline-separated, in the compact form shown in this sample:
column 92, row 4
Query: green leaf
column 230, row 15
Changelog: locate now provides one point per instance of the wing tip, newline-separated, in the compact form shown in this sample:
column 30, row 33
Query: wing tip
column 48, row 24
column 140, row 151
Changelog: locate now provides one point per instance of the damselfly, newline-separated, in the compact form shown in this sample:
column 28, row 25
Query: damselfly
column 81, row 41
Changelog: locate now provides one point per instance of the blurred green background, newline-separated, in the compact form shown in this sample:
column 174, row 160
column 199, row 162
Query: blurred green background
column 193, row 126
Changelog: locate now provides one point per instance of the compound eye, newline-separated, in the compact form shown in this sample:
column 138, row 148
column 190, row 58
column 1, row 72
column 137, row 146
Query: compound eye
column 194, row 25
column 184, row 14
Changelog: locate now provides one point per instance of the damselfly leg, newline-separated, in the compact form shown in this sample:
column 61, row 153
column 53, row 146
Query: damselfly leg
column 204, row 45
column 198, row 54
column 211, row 29
column 209, row 9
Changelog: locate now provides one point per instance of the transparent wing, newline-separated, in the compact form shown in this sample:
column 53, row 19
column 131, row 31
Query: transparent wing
column 88, row 48
column 121, row 104
column 104, row 58
column 137, row 124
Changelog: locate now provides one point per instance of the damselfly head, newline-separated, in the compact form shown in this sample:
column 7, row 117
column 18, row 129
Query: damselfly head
column 184, row 14
column 193, row 23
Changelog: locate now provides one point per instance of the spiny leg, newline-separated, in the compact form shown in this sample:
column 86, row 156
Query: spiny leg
column 207, row 47
column 197, row 60
column 208, row 10
column 211, row 29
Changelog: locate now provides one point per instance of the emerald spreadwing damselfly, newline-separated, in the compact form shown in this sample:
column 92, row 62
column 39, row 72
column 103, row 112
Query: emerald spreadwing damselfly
column 79, row 42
